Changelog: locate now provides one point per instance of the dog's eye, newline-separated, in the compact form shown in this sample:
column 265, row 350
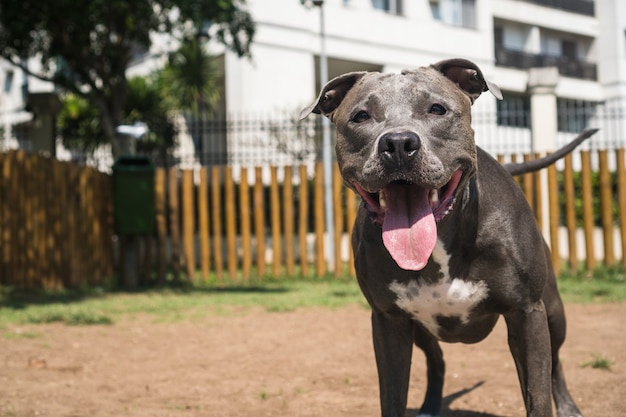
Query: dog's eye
column 361, row 116
column 437, row 109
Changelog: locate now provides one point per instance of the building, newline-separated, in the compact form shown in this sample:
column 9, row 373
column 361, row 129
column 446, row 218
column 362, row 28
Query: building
column 582, row 40
column 580, row 44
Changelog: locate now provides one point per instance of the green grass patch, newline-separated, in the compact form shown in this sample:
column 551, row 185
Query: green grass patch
column 96, row 306
column 18, row 334
column 598, row 362
column 69, row 316
column 604, row 284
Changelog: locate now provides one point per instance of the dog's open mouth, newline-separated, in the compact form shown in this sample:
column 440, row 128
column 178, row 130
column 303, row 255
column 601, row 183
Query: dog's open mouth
column 409, row 214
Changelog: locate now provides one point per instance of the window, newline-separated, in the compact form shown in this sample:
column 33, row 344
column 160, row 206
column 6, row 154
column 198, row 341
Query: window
column 454, row 12
column 569, row 50
column 551, row 46
column 573, row 115
column 498, row 37
column 435, row 10
column 8, row 82
column 391, row 6
column 514, row 110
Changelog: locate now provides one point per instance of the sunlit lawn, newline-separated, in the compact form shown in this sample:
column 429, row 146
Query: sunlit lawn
column 195, row 300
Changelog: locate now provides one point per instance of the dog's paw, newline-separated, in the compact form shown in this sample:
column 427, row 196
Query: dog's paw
column 569, row 411
column 569, row 414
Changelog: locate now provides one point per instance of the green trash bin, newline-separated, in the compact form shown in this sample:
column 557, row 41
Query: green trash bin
column 133, row 195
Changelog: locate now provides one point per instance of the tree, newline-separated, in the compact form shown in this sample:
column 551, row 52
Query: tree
column 145, row 104
column 85, row 47
column 80, row 128
column 188, row 82
column 191, row 77
column 79, row 124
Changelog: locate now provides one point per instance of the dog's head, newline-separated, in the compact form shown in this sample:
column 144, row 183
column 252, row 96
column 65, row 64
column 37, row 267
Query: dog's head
column 406, row 145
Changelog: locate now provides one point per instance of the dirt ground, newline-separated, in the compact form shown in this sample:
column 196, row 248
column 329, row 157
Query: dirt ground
column 309, row 362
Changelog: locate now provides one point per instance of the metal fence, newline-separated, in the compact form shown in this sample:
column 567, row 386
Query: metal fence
column 507, row 130
column 248, row 140
column 566, row 66
column 577, row 6
column 280, row 139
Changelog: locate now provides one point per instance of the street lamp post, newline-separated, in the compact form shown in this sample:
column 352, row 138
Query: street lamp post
column 327, row 155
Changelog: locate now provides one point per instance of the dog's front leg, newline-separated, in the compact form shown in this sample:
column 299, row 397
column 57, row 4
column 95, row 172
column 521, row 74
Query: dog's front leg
column 529, row 341
column 393, row 346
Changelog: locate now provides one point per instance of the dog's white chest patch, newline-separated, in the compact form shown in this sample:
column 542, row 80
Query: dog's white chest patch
column 450, row 297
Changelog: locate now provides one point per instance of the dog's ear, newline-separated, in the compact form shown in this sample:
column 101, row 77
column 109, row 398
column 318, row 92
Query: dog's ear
column 332, row 94
column 468, row 77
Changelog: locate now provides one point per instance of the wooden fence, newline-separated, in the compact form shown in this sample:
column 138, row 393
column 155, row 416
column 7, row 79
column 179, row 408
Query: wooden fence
column 597, row 207
column 56, row 223
column 208, row 224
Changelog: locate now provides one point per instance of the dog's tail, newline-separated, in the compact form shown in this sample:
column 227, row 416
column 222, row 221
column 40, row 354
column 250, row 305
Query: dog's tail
column 537, row 164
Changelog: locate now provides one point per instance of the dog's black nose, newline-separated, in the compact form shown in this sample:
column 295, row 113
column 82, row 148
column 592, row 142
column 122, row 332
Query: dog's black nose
column 398, row 147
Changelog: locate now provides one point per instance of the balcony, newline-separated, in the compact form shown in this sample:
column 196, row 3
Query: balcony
column 567, row 66
column 585, row 7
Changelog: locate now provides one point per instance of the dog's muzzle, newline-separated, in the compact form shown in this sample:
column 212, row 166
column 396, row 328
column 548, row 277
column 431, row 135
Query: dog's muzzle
column 408, row 214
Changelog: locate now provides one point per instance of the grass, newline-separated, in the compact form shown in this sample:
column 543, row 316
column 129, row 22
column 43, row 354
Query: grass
column 99, row 307
column 604, row 284
column 19, row 334
column 263, row 395
column 598, row 362
column 69, row 316
column 96, row 306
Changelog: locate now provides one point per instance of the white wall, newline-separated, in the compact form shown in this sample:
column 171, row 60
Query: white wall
column 276, row 80
column 281, row 74
column 611, row 46
column 546, row 17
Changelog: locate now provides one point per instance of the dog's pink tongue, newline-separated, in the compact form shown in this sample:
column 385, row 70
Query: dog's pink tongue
column 409, row 228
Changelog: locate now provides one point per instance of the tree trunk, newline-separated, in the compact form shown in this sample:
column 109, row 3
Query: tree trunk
column 111, row 108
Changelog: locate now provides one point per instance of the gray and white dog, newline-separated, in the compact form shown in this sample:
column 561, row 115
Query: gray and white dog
column 445, row 241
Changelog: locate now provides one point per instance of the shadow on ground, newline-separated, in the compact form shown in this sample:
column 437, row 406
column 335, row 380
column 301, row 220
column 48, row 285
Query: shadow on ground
column 16, row 299
column 448, row 400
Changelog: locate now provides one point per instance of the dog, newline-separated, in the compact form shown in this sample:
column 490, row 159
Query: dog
column 444, row 242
